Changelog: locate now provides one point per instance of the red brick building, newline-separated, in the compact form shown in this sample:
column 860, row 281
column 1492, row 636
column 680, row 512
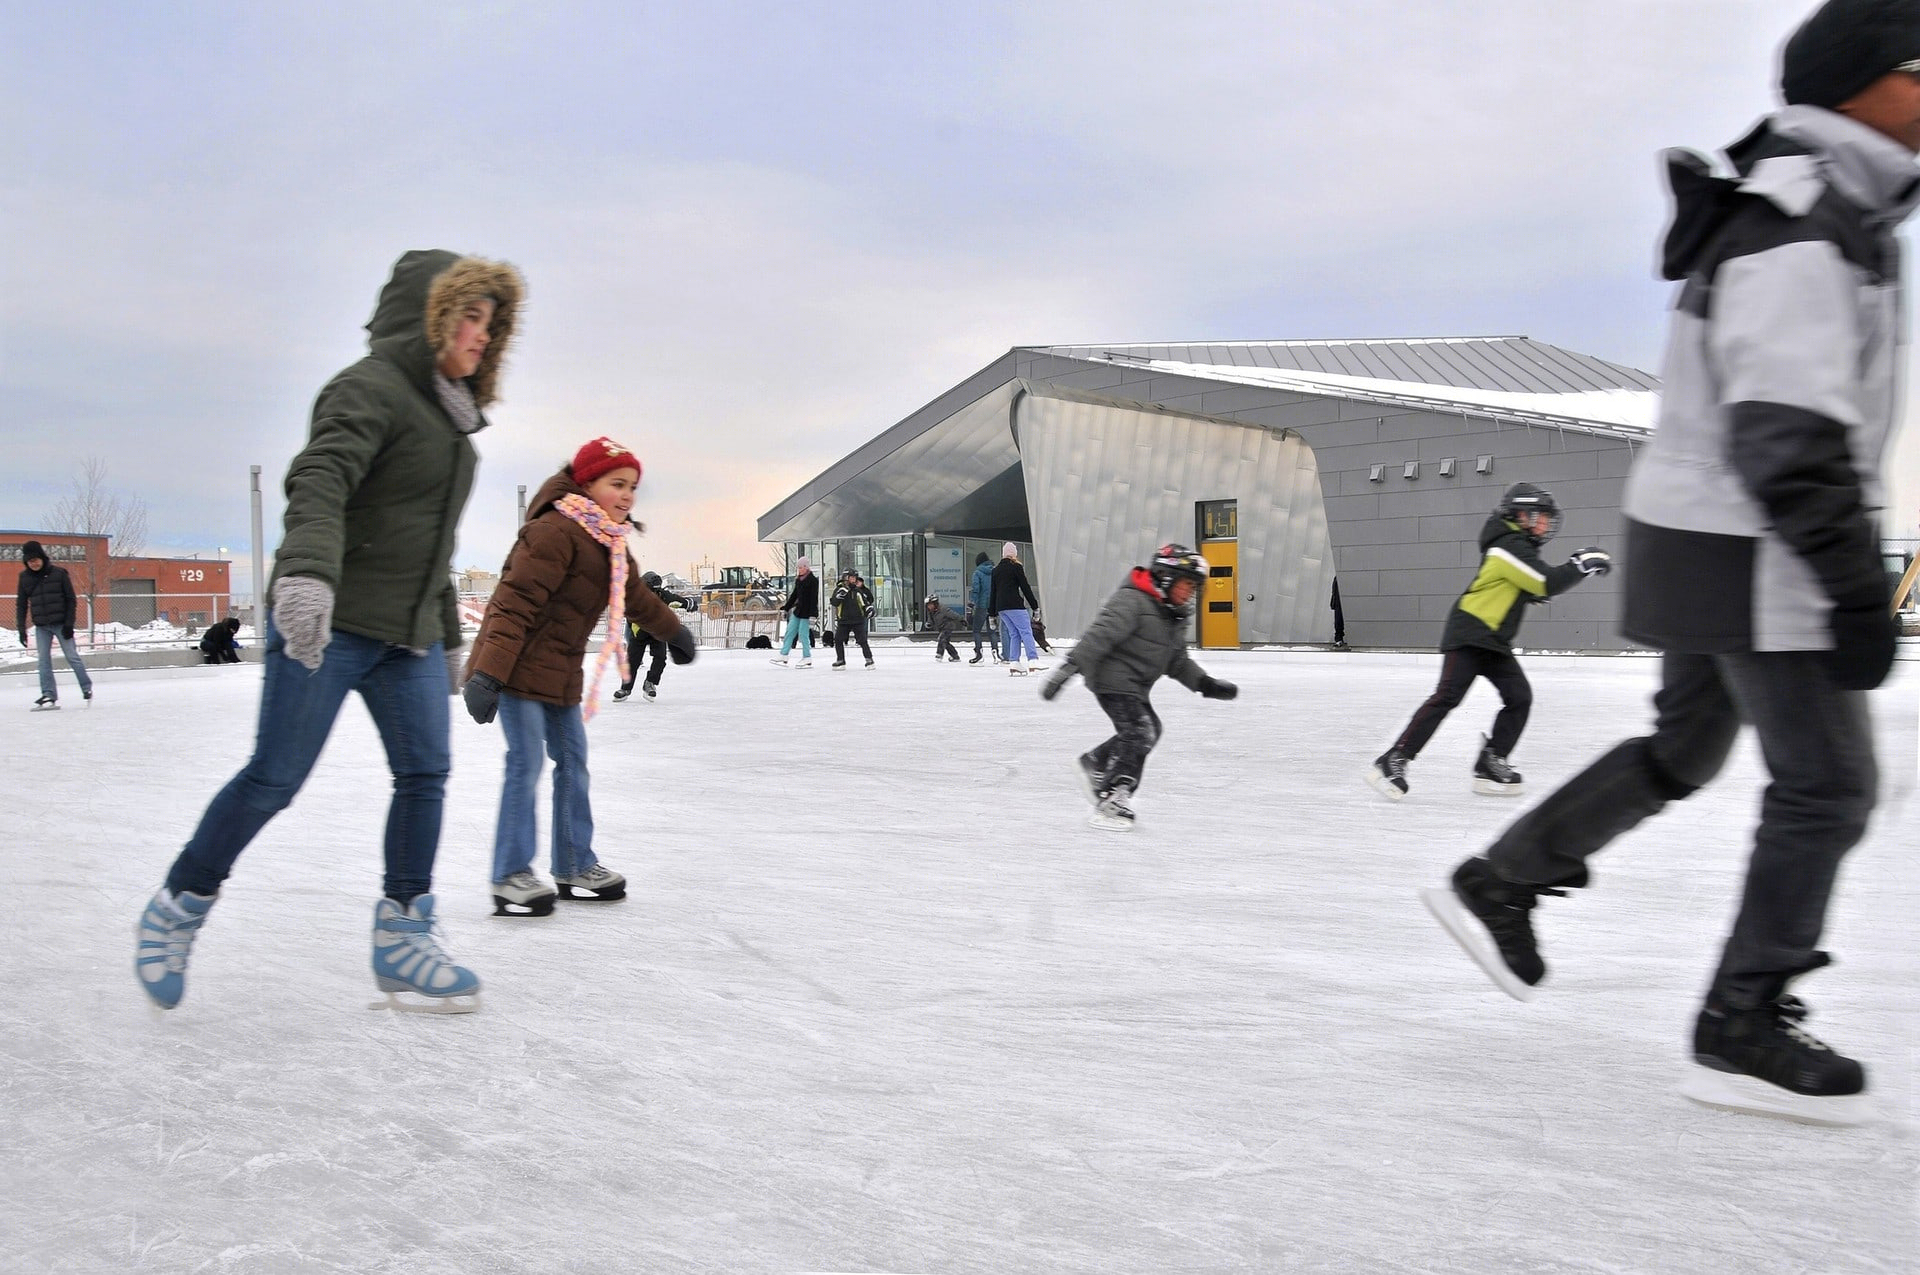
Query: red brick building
column 185, row 592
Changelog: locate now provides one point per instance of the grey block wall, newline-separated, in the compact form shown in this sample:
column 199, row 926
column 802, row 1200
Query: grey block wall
column 1405, row 548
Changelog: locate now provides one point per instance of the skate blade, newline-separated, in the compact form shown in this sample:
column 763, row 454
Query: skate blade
column 1378, row 782
column 1752, row 1096
column 1474, row 940
column 45, row 708
column 1109, row 823
column 399, row 1003
column 1489, row 788
column 534, row 907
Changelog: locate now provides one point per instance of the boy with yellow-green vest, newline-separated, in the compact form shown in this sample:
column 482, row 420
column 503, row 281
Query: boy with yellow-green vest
column 1478, row 639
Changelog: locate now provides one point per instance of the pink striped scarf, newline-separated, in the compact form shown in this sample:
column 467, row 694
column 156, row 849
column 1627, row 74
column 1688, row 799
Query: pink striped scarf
column 613, row 537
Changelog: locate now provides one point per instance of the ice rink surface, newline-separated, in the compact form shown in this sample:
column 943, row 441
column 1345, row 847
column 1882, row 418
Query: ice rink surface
column 881, row 1001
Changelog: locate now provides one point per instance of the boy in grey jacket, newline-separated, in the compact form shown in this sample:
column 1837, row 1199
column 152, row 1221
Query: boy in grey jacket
column 1753, row 558
column 1138, row 638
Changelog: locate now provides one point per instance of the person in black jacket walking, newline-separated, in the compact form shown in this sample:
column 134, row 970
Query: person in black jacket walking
column 46, row 597
column 1139, row 637
column 639, row 642
column 1011, row 599
column 852, row 606
column 217, row 645
column 1478, row 639
column 801, row 606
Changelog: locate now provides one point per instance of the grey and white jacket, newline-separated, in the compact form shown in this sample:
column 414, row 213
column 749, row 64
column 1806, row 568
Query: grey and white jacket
column 1751, row 515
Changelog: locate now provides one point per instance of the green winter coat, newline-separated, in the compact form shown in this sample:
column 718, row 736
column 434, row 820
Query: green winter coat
column 1512, row 575
column 375, row 497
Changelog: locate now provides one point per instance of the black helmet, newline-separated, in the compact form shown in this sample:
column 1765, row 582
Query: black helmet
column 651, row 579
column 1177, row 562
column 1524, row 498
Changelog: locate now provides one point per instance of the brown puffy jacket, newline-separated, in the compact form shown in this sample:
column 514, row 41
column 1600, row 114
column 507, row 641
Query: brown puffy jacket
column 552, row 594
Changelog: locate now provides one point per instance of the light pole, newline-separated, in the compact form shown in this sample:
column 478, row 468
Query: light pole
column 259, row 563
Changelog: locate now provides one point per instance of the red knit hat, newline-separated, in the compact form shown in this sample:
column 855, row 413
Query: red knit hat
column 602, row 456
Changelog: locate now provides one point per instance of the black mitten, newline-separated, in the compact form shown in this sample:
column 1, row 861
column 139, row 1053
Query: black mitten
column 1864, row 639
column 1214, row 688
column 682, row 646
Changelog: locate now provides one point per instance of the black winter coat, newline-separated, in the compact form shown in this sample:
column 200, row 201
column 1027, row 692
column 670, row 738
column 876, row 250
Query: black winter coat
column 1009, row 587
column 46, row 596
column 852, row 603
column 804, row 601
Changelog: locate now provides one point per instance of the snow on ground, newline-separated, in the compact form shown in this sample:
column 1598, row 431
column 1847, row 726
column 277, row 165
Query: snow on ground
column 880, row 1000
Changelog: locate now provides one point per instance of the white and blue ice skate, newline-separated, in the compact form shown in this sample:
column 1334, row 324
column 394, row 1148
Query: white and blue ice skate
column 163, row 938
column 410, row 967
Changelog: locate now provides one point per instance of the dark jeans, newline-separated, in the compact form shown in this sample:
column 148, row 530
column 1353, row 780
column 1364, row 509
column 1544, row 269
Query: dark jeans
column 1136, row 729
column 407, row 696
column 857, row 629
column 944, row 646
column 1818, row 745
column 979, row 625
column 1457, row 670
column 638, row 647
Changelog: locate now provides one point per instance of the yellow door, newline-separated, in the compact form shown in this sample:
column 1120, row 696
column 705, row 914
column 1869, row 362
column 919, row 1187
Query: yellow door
column 1220, row 600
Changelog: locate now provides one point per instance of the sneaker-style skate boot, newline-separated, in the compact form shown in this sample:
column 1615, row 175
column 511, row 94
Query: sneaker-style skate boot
column 1114, row 813
column 599, row 884
column 164, row 938
column 522, row 894
column 1388, row 774
column 1491, row 920
column 410, row 967
column 1092, row 778
column 1492, row 776
column 1762, row 1061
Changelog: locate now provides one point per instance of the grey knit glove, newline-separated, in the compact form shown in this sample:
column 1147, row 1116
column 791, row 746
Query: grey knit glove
column 456, row 668
column 303, row 612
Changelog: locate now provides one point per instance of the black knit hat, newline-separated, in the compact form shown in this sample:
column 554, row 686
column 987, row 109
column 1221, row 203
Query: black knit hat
column 1845, row 46
column 33, row 549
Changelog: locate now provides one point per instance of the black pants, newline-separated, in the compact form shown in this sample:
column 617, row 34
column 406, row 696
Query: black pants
column 945, row 646
column 979, row 623
column 857, row 629
column 1136, row 730
column 1818, row 745
column 228, row 656
column 640, row 646
column 1457, row 670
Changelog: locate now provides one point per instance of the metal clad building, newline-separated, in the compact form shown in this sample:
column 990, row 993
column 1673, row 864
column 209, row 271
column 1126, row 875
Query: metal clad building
column 1288, row 462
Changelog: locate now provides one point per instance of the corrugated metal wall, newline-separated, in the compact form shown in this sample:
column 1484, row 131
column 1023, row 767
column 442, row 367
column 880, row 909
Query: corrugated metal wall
column 1106, row 485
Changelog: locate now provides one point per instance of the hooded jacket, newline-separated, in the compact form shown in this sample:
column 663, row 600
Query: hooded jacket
column 1134, row 642
column 980, row 589
column 1751, row 513
column 550, row 599
column 45, row 596
column 374, row 498
column 1512, row 574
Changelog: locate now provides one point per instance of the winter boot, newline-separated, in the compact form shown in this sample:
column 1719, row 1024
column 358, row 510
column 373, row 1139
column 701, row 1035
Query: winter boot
column 1388, row 774
column 1762, row 1061
column 522, row 894
column 1092, row 778
column 598, row 884
column 1492, row 776
column 165, row 936
column 1491, row 920
column 407, row 958
column 1114, row 813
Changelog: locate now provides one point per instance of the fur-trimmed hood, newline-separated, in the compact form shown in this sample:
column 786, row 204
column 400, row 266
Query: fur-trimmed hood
column 420, row 307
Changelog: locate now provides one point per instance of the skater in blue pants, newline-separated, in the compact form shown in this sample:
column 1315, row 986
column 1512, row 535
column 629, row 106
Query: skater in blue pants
column 1009, row 603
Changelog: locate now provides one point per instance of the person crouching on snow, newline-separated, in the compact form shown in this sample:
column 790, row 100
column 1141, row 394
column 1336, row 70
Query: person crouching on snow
column 568, row 566
column 1139, row 637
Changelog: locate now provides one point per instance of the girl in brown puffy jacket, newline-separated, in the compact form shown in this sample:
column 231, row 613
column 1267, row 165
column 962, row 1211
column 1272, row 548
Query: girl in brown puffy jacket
column 569, row 566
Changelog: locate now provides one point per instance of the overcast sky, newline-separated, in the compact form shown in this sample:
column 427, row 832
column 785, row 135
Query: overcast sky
column 755, row 235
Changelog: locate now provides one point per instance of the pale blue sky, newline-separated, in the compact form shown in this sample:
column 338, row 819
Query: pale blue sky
column 755, row 235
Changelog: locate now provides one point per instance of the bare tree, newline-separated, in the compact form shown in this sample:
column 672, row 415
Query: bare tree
column 92, row 508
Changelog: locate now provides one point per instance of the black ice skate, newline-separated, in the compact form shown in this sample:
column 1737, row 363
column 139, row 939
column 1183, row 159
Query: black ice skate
column 976, row 659
column 1762, row 1061
column 1388, row 774
column 625, row 691
column 598, row 884
column 1492, row 776
column 650, row 689
column 1114, row 813
column 522, row 894
column 1491, row 920
column 1093, row 780
column 45, row 704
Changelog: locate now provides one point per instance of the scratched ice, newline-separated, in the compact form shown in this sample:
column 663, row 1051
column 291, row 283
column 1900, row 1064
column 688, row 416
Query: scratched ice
column 880, row 1000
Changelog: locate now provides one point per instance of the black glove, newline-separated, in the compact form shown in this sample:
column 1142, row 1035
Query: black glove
column 1214, row 688
column 1864, row 639
column 482, row 694
column 1593, row 562
column 66, row 631
column 23, row 637
column 1061, row 676
column 682, row 646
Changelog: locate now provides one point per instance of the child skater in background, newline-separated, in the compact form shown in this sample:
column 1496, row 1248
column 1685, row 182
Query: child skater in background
column 640, row 642
column 568, row 566
column 1139, row 637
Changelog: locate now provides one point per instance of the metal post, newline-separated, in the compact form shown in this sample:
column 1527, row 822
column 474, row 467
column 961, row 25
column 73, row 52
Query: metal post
column 259, row 563
column 523, row 507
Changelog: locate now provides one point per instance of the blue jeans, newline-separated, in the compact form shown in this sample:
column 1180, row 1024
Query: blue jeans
column 45, row 637
column 801, row 630
column 1016, row 633
column 530, row 727
column 406, row 694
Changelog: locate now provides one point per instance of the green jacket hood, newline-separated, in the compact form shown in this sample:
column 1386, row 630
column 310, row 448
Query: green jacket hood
column 420, row 307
